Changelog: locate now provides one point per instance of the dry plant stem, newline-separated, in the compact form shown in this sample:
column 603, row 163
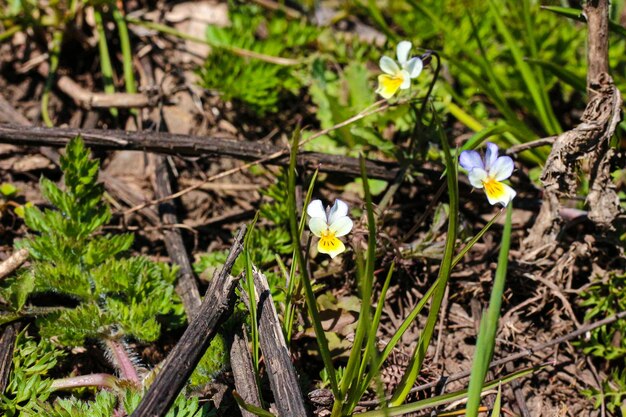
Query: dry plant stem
column 194, row 146
column 529, row 145
column 243, row 371
column 7, row 345
column 186, row 285
column 90, row 100
column 281, row 372
column 182, row 360
column 13, row 262
column 590, row 140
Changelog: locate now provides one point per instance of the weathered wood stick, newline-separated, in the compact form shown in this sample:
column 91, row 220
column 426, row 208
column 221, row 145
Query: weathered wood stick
column 182, row 360
column 196, row 146
column 243, row 371
column 186, row 285
column 282, row 374
column 13, row 262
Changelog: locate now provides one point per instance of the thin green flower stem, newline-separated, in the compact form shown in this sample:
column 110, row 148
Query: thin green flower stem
column 419, row 354
column 55, row 51
column 295, row 288
column 105, row 59
column 237, row 51
column 9, row 33
column 489, row 323
column 351, row 378
column 311, row 301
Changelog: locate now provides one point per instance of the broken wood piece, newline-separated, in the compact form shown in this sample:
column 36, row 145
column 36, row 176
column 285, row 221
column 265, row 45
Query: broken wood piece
column 243, row 371
column 7, row 345
column 182, row 360
column 13, row 262
column 281, row 372
column 197, row 146
column 186, row 285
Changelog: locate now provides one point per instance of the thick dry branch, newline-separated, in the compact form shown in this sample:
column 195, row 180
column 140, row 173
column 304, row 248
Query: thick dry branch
column 186, row 285
column 195, row 146
column 280, row 370
column 182, row 360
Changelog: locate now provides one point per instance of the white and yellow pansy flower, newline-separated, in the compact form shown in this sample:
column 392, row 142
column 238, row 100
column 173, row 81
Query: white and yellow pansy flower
column 398, row 76
column 489, row 173
column 329, row 225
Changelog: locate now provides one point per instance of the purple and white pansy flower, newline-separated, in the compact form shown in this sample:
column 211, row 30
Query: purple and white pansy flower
column 488, row 173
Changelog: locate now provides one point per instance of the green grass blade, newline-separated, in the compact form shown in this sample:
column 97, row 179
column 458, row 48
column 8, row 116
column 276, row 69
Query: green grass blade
column 562, row 73
column 489, row 324
column 257, row 411
column 127, row 58
column 419, row 354
column 475, row 239
column 536, row 90
column 497, row 404
column 311, row 301
column 105, row 59
column 55, row 51
column 364, row 331
column 446, row 398
column 294, row 288
column 577, row 14
column 250, row 289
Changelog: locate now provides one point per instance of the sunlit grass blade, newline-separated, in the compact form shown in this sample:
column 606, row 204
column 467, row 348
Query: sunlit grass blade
column 251, row 291
column 475, row 239
column 295, row 287
column 55, row 51
column 562, row 73
column 497, row 403
column 419, row 354
column 364, row 332
column 489, row 324
column 311, row 301
column 258, row 411
column 7, row 34
column 446, row 398
column 105, row 59
column 577, row 14
column 536, row 90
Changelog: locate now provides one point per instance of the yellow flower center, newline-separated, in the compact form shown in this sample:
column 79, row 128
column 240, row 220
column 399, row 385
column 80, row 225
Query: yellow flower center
column 389, row 84
column 328, row 241
column 493, row 187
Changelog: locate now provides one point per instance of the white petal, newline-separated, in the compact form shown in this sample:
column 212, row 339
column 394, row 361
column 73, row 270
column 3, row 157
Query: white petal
column 470, row 160
column 406, row 80
column 318, row 225
column 339, row 209
column 505, row 198
column 341, row 226
column 388, row 65
column 403, row 50
column 414, row 67
column 476, row 177
column 491, row 155
column 316, row 209
column 502, row 168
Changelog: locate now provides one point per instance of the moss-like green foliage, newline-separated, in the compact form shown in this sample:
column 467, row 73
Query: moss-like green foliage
column 214, row 361
column 115, row 295
column 258, row 84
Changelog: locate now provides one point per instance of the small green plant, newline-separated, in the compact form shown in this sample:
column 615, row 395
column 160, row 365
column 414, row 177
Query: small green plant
column 259, row 85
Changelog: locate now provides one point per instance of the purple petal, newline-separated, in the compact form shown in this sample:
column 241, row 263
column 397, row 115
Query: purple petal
column 490, row 155
column 470, row 160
